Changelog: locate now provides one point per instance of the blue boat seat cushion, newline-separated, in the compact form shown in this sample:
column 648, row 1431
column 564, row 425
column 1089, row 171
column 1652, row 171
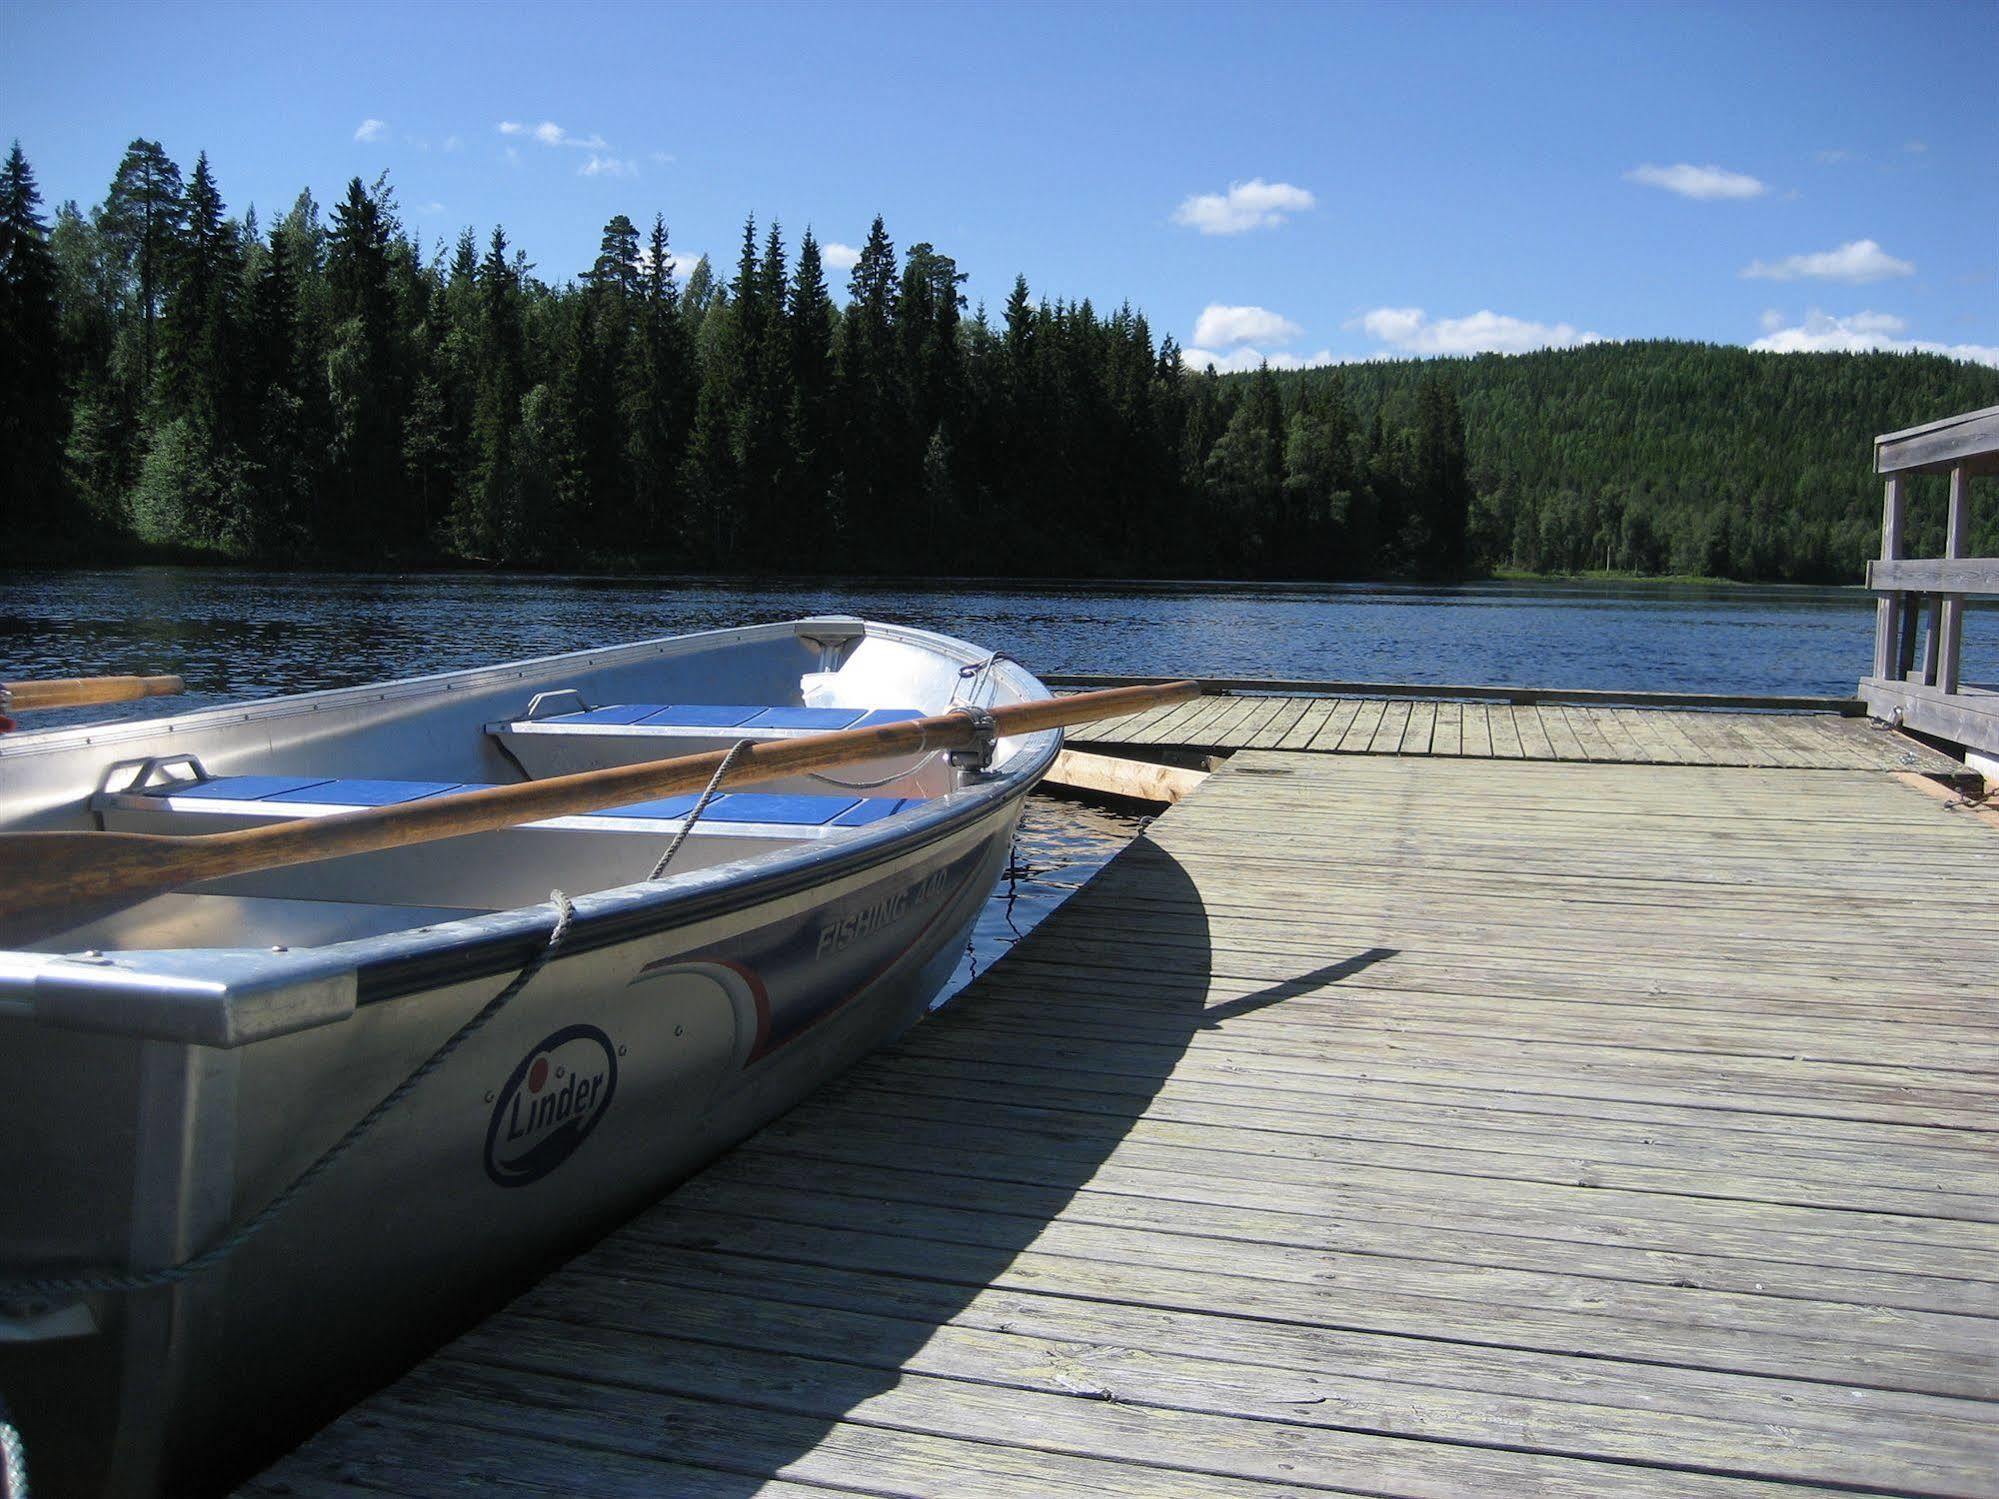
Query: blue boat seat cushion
column 766, row 809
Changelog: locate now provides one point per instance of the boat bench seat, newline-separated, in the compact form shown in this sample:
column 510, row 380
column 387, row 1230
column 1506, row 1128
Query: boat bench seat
column 705, row 720
column 558, row 734
column 737, row 813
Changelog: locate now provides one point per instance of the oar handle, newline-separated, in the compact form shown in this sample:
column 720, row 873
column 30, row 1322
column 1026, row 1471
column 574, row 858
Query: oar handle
column 81, row 692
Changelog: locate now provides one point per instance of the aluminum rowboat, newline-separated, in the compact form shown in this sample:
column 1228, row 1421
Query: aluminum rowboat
column 168, row 1071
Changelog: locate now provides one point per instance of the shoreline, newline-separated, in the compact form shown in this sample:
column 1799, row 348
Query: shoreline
column 657, row 568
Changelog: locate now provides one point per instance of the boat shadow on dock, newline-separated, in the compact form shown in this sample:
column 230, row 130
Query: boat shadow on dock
column 764, row 1321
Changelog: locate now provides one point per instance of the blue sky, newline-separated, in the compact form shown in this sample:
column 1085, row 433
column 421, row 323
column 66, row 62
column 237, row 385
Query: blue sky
column 1297, row 182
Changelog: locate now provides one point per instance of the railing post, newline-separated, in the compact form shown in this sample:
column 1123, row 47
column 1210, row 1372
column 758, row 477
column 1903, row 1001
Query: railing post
column 1956, row 534
column 1887, row 626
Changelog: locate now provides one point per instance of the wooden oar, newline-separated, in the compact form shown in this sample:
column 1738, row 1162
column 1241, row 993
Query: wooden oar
column 81, row 692
column 57, row 874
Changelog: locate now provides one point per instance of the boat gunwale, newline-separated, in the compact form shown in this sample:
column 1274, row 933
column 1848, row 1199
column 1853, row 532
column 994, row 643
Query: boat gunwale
column 78, row 736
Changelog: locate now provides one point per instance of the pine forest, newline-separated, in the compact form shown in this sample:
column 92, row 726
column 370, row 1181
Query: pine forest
column 325, row 388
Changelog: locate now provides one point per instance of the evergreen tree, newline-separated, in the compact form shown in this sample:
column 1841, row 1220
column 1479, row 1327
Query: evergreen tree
column 200, row 373
column 34, row 417
column 764, row 454
column 928, row 315
column 600, row 492
column 616, row 271
column 284, row 399
column 815, row 524
column 488, row 522
column 871, row 401
column 363, row 514
column 141, row 221
column 101, row 458
column 731, row 341
column 658, row 397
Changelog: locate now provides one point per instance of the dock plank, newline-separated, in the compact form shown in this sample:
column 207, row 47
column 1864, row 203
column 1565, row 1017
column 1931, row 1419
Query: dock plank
column 1387, row 1125
column 1315, row 716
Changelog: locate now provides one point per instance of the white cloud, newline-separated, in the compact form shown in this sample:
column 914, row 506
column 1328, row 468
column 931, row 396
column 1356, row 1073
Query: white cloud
column 679, row 262
column 1235, row 361
column 1690, row 181
column 1916, row 148
column 1254, row 204
column 452, row 143
column 607, row 166
column 1772, row 320
column 1859, row 261
column 1833, row 158
column 1222, row 326
column 1412, row 331
column 662, row 158
column 551, row 134
column 1821, row 333
column 838, row 257
column 371, row 130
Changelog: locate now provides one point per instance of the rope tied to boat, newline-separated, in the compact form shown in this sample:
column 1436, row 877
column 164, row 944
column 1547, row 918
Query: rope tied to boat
column 977, row 672
column 13, row 1456
column 879, row 781
column 700, row 805
column 223, row 1248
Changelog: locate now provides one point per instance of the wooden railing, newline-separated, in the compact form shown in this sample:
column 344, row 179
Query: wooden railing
column 1925, row 689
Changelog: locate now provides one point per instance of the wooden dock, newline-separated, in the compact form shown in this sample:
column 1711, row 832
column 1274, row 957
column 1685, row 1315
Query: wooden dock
column 1387, row 1124
column 1597, row 733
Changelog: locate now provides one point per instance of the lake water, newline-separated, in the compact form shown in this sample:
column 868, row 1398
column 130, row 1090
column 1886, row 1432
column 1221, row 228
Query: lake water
column 239, row 635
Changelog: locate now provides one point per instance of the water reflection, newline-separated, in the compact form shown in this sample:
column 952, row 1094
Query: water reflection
column 1061, row 843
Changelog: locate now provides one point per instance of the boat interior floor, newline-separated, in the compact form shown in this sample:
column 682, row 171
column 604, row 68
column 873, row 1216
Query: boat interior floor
column 426, row 884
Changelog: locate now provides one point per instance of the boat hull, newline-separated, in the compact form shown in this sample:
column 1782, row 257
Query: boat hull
column 674, row 1021
column 654, row 1056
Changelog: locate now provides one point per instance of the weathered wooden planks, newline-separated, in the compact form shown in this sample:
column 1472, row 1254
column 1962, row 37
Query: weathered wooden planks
column 1407, row 1125
column 1544, row 731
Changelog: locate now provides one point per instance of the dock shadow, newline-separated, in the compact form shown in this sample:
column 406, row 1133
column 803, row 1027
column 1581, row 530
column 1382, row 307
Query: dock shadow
column 837, row 1300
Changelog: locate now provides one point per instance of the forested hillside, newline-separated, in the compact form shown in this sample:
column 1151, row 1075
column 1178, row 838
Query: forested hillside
column 175, row 381
column 1684, row 457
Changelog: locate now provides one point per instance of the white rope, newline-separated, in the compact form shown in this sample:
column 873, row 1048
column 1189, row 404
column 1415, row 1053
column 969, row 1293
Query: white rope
column 700, row 806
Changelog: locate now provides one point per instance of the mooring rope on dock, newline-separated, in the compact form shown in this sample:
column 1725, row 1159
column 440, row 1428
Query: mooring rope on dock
column 222, row 1249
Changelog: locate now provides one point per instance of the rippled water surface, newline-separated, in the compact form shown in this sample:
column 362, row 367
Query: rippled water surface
column 237, row 635
column 245, row 634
